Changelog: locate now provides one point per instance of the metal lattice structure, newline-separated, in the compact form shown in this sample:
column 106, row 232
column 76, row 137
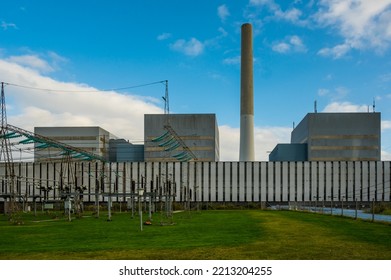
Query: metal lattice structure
column 6, row 155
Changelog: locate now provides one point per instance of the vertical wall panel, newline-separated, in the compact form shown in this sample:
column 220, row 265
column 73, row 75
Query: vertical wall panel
column 306, row 179
column 300, row 181
column 256, row 182
column 365, row 181
column 192, row 180
column 242, row 181
column 148, row 176
column 227, row 181
column 343, row 180
column 357, row 181
column 178, row 171
column 372, row 180
column 263, row 183
column 198, row 183
column 213, row 181
column 156, row 177
column 206, row 182
column 235, row 181
column 249, row 182
column 277, row 181
column 270, row 181
column 285, row 181
column 336, row 183
column 379, row 181
column 291, row 187
column 220, row 181
column 350, row 181
column 314, row 180
column 329, row 180
column 321, row 181
column 135, row 176
column 386, row 181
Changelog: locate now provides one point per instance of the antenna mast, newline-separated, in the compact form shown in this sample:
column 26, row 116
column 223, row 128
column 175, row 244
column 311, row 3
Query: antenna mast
column 166, row 101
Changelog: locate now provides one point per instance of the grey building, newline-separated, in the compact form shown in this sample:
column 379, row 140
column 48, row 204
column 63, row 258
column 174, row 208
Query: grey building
column 92, row 139
column 181, row 137
column 339, row 136
column 289, row 152
column 124, row 151
column 333, row 137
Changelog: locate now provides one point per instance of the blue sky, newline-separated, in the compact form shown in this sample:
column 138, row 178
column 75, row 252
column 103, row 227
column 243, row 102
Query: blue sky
column 336, row 52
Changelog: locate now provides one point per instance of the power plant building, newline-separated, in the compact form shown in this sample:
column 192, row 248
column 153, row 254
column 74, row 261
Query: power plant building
column 194, row 134
column 124, row 151
column 333, row 137
column 92, row 139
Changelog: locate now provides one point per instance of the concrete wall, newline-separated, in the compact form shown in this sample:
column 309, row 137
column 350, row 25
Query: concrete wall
column 213, row 181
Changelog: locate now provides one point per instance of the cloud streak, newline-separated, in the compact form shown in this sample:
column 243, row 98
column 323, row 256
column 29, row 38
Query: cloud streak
column 192, row 47
column 363, row 24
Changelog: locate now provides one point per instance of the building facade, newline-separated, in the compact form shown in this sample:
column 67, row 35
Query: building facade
column 334, row 137
column 123, row 151
column 167, row 137
column 93, row 139
column 289, row 152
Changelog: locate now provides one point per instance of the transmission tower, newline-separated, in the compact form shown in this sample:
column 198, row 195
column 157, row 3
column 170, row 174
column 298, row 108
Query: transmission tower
column 6, row 154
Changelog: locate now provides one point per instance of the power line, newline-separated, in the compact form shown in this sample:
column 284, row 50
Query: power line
column 62, row 90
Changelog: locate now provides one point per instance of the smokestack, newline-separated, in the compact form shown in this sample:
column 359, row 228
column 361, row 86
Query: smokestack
column 246, row 96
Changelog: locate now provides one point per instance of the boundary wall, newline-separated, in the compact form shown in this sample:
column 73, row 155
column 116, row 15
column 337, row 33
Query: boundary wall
column 206, row 181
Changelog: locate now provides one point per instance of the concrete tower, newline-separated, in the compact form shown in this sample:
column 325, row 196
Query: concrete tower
column 246, row 96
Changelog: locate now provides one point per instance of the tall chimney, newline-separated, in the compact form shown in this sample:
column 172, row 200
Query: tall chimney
column 246, row 96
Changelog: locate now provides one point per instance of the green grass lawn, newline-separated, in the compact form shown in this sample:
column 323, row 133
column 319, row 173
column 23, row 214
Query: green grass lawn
column 240, row 234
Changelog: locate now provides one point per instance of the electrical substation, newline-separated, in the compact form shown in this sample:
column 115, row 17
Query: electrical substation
column 333, row 159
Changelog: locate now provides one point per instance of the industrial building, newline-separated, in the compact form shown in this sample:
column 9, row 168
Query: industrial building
column 124, row 151
column 194, row 134
column 333, row 137
column 92, row 139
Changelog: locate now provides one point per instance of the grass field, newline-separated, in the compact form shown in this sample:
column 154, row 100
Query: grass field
column 240, row 234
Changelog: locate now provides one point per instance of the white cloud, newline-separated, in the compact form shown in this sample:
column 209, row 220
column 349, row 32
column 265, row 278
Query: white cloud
column 121, row 114
column 337, row 93
column 8, row 25
column 385, row 155
column 281, row 47
column 192, row 47
column 32, row 62
column 336, row 107
column 290, row 44
column 336, row 51
column 323, row 92
column 164, row 36
column 265, row 139
column 223, row 12
column 363, row 24
column 291, row 15
column 385, row 125
column 385, row 78
column 232, row 60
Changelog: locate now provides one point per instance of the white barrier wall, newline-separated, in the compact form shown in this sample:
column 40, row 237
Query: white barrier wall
column 209, row 181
